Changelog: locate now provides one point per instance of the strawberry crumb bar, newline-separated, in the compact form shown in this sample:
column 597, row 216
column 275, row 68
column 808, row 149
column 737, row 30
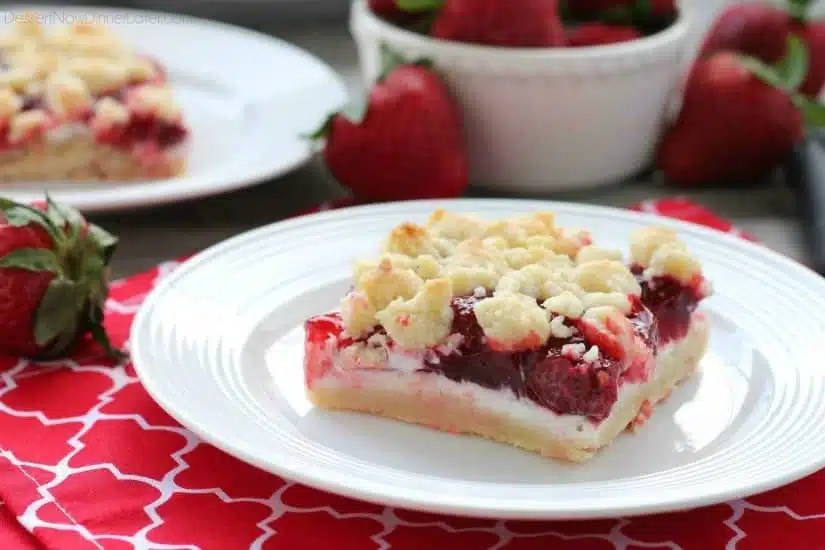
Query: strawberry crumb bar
column 77, row 104
column 516, row 330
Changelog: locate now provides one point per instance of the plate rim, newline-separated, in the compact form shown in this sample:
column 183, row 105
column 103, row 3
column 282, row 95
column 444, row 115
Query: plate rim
column 438, row 506
column 217, row 180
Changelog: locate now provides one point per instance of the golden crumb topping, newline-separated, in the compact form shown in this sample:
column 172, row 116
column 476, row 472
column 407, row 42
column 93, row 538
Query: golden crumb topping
column 68, row 65
column 533, row 280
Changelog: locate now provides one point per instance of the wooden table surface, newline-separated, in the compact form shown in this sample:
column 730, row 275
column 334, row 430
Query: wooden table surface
column 152, row 235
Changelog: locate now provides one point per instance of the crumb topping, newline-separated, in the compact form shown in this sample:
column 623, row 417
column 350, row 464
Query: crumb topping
column 534, row 279
column 673, row 259
column 10, row 103
column 25, row 124
column 422, row 320
column 66, row 94
column 512, row 321
column 644, row 243
column 109, row 112
column 66, row 67
column 157, row 100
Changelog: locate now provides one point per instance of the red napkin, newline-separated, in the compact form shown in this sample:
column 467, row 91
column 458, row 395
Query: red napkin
column 87, row 460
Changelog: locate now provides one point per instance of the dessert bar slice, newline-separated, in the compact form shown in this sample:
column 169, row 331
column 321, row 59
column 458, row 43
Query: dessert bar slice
column 76, row 103
column 516, row 330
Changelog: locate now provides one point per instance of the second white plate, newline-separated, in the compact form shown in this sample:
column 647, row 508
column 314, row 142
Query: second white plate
column 219, row 344
column 248, row 98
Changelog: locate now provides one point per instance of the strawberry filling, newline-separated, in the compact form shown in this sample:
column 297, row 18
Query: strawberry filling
column 671, row 302
column 552, row 374
column 546, row 374
column 142, row 132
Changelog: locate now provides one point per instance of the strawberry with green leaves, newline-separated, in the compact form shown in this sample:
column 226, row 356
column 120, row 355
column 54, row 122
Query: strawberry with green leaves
column 406, row 142
column 760, row 29
column 756, row 29
column 53, row 282
column 739, row 119
column 508, row 24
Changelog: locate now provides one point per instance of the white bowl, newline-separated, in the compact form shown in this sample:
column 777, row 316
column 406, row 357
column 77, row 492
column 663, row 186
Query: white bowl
column 540, row 120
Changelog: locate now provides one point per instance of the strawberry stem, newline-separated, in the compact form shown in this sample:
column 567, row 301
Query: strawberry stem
column 419, row 6
column 789, row 73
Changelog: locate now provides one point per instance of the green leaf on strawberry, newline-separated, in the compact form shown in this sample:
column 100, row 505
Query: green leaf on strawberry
column 99, row 334
column 21, row 215
column 32, row 259
column 789, row 73
column 61, row 307
column 793, row 68
column 813, row 112
column 419, row 6
column 799, row 9
column 52, row 238
column 105, row 241
column 64, row 217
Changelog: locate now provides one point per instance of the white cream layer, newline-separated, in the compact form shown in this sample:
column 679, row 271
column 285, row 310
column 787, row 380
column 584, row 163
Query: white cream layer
column 403, row 375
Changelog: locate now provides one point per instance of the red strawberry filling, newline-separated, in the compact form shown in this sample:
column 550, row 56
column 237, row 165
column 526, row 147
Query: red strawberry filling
column 552, row 375
column 671, row 302
column 144, row 130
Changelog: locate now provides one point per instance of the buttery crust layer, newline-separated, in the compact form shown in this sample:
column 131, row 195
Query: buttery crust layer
column 80, row 158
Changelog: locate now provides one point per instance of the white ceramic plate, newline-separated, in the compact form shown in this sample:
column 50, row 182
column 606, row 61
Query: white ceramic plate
column 219, row 345
column 248, row 98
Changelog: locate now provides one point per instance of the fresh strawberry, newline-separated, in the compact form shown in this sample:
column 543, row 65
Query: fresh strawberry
column 812, row 34
column 53, row 282
column 739, row 119
column 510, row 23
column 600, row 34
column 407, row 144
column 752, row 28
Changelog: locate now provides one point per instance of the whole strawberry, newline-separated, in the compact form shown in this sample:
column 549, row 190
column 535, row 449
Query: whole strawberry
column 52, row 279
column 601, row 34
column 407, row 144
column 752, row 28
column 510, row 23
column 740, row 118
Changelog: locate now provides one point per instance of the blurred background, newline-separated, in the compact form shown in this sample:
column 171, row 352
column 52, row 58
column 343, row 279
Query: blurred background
column 321, row 28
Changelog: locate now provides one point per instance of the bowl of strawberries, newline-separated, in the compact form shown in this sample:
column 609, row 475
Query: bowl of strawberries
column 553, row 94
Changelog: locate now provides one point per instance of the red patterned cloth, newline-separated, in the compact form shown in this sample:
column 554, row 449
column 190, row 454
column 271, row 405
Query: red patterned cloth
column 89, row 461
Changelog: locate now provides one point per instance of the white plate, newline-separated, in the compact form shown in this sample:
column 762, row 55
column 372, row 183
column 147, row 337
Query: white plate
column 219, row 345
column 248, row 98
